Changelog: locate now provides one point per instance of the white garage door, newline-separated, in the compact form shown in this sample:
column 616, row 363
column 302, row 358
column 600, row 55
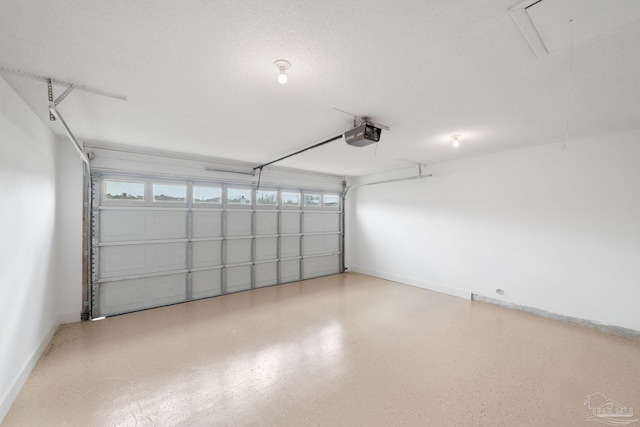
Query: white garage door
column 159, row 241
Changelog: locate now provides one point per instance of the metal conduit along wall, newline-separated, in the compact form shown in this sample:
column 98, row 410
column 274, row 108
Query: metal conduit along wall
column 203, row 239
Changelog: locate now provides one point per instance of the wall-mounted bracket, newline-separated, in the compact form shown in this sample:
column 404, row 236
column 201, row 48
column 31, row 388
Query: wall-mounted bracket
column 69, row 86
column 62, row 96
column 50, row 93
column 59, row 99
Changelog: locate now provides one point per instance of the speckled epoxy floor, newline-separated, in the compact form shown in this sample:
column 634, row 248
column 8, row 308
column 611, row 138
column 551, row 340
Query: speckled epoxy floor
column 341, row 350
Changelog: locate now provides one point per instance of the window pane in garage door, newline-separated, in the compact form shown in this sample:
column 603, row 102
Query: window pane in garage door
column 169, row 193
column 124, row 190
column 207, row 195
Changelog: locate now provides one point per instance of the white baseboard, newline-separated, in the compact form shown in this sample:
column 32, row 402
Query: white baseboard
column 69, row 317
column 413, row 282
column 21, row 377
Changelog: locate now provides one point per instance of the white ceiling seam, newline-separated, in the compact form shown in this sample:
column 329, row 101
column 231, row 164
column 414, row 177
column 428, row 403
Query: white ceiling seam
column 201, row 80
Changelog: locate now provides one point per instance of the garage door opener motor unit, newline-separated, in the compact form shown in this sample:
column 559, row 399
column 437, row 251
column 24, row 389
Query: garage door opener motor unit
column 362, row 135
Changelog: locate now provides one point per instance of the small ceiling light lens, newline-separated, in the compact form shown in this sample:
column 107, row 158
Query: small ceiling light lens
column 283, row 65
column 456, row 141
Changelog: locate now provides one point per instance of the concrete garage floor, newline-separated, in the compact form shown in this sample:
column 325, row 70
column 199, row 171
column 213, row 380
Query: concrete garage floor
column 342, row 350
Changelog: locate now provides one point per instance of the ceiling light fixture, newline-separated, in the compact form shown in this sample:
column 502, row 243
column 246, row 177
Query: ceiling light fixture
column 283, row 65
column 456, row 140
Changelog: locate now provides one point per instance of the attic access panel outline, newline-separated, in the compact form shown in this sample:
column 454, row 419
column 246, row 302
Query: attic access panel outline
column 547, row 24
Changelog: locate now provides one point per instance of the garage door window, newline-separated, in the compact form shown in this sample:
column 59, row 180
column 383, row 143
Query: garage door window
column 290, row 199
column 267, row 198
column 330, row 200
column 124, row 190
column 238, row 196
column 312, row 200
column 169, row 193
column 212, row 195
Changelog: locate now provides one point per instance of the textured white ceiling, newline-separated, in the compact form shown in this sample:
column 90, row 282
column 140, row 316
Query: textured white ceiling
column 592, row 19
column 200, row 78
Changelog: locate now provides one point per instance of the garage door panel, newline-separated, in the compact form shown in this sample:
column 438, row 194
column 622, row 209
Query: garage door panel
column 239, row 223
column 266, row 248
column 321, row 222
column 206, row 254
column 290, row 271
column 321, row 244
column 168, row 225
column 290, row 222
column 266, row 274
column 141, row 259
column 321, row 266
column 238, row 251
column 129, row 295
column 266, row 223
column 207, row 283
column 206, row 224
column 123, row 226
column 238, row 278
column 289, row 246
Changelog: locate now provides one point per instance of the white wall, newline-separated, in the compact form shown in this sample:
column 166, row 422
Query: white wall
column 69, row 188
column 557, row 228
column 28, row 313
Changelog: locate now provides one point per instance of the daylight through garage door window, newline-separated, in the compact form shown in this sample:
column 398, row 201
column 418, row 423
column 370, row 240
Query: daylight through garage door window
column 207, row 194
column 290, row 199
column 238, row 196
column 124, row 190
column 169, row 193
column 330, row 200
column 311, row 199
column 268, row 198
